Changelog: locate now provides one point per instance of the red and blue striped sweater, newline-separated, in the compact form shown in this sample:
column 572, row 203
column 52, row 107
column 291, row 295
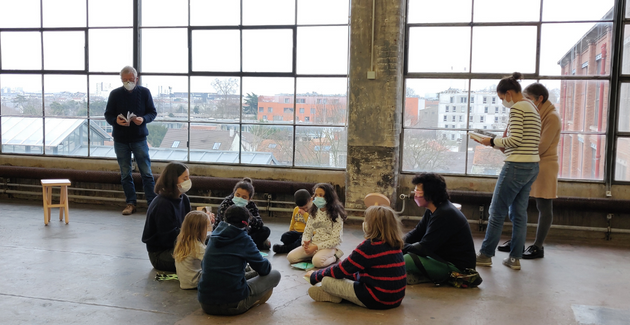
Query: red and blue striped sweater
column 378, row 271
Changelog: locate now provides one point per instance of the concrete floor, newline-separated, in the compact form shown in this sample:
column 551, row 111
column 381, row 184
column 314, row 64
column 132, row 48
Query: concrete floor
column 95, row 270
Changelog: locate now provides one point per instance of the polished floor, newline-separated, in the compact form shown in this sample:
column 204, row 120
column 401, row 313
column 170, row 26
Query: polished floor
column 95, row 270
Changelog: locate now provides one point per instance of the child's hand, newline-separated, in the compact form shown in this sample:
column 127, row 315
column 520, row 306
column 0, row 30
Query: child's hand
column 308, row 274
column 311, row 249
column 305, row 244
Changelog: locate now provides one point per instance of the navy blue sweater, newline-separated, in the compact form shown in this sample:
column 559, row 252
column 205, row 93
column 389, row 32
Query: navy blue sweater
column 445, row 233
column 223, row 266
column 378, row 271
column 164, row 220
column 139, row 102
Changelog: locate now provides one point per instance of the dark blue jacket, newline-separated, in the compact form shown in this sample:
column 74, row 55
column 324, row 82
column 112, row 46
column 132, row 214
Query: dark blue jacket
column 223, row 267
column 139, row 102
column 164, row 221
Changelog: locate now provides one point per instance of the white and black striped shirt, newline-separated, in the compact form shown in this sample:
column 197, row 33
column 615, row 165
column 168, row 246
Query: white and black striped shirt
column 521, row 144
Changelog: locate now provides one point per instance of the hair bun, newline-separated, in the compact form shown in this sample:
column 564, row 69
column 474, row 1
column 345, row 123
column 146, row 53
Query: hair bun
column 517, row 76
column 248, row 180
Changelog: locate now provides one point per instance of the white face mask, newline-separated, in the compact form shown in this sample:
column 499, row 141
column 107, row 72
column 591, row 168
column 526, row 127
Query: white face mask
column 185, row 186
column 129, row 85
column 506, row 103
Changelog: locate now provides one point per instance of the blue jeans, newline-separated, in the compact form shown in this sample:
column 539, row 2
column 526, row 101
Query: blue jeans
column 511, row 194
column 140, row 152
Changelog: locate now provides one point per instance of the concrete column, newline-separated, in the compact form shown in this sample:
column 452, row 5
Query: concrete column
column 375, row 106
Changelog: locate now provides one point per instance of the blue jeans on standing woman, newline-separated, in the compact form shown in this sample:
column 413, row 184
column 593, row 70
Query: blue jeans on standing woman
column 140, row 152
column 511, row 194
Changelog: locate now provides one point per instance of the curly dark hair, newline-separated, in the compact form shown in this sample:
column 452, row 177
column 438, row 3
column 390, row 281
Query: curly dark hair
column 247, row 185
column 166, row 184
column 433, row 186
column 510, row 83
column 334, row 208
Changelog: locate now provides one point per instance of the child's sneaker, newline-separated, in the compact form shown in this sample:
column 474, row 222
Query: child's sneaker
column 513, row 263
column 280, row 249
column 338, row 254
column 414, row 278
column 483, row 260
column 318, row 294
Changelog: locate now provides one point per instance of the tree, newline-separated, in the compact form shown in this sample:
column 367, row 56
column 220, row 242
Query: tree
column 425, row 153
column 57, row 109
column 156, row 134
column 251, row 104
column 227, row 105
column 97, row 108
column 410, row 92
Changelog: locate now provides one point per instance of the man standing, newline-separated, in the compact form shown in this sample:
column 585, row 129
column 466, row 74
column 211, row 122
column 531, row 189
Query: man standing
column 442, row 241
column 130, row 136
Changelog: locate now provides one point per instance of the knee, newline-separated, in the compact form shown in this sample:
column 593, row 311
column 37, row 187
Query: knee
column 274, row 277
column 322, row 261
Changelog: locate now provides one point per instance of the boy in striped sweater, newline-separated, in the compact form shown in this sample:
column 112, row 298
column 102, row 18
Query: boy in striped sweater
column 374, row 275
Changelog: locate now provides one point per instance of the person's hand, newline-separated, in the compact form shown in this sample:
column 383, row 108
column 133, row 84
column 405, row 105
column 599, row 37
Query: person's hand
column 212, row 218
column 305, row 244
column 311, row 249
column 137, row 120
column 485, row 141
column 121, row 121
column 308, row 274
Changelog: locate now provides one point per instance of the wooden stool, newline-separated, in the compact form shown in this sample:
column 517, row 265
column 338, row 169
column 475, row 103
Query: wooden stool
column 47, row 187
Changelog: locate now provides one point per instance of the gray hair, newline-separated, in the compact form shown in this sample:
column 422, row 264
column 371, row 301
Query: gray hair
column 129, row 69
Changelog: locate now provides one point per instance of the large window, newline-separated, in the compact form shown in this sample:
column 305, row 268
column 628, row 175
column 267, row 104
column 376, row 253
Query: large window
column 565, row 45
column 231, row 80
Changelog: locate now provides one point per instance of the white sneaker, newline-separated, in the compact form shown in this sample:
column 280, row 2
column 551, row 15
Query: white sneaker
column 513, row 263
column 338, row 254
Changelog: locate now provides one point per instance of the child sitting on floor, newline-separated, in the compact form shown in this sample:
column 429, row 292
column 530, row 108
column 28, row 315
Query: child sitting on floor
column 293, row 238
column 190, row 248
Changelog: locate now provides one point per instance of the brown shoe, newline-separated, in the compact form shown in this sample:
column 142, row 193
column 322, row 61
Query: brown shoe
column 129, row 210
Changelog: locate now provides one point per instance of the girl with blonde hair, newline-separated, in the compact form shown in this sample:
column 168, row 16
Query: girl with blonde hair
column 190, row 248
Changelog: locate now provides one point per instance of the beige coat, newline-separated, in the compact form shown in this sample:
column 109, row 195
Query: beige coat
column 546, row 184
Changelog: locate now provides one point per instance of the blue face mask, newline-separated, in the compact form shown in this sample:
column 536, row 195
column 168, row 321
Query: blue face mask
column 320, row 202
column 239, row 202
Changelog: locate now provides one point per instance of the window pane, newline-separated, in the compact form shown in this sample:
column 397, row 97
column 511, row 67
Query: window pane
column 434, row 151
column 21, row 50
column 164, row 13
column 273, row 95
column 312, row 12
column 167, row 141
column 110, row 49
column 206, row 57
column 65, row 95
column 267, row 145
column 321, row 147
column 486, row 111
column 622, row 173
column 581, row 156
column 625, row 61
column 158, row 56
column 582, row 104
column 259, row 57
column 484, row 160
column 19, row 14
column 66, row 136
column 110, row 13
column 213, row 143
column 624, row 108
column 268, row 12
column 570, row 49
column 21, row 95
column 321, row 101
column 100, row 87
column 454, row 53
column 427, row 101
column 215, row 12
column 64, row 50
column 170, row 96
column 215, row 99
column 556, row 10
column 428, row 11
column 503, row 11
column 64, row 13
column 22, row 135
column 329, row 58
column 500, row 60
column 101, row 141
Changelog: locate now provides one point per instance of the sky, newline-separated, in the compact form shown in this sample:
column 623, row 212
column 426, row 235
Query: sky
column 320, row 49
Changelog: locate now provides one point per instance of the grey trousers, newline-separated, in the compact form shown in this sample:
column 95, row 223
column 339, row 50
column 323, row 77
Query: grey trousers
column 259, row 286
column 342, row 288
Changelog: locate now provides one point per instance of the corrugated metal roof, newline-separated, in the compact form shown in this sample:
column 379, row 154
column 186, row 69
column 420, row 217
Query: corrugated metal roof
column 27, row 131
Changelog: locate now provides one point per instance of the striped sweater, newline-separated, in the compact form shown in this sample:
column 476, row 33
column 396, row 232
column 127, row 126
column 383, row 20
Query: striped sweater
column 378, row 271
column 521, row 144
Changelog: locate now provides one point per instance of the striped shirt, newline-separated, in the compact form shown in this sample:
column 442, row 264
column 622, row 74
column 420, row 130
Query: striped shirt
column 378, row 271
column 521, row 144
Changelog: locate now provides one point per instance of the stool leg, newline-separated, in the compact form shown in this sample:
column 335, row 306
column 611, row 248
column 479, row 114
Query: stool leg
column 44, row 197
column 65, row 204
column 49, row 191
column 61, row 202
